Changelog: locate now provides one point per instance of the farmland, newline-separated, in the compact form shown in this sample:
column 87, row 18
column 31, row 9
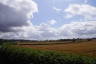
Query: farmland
column 49, row 52
column 83, row 48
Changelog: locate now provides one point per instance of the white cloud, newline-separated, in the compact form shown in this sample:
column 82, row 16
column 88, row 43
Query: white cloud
column 85, row 10
column 79, row 30
column 52, row 22
column 27, row 7
column 85, row 29
column 57, row 9
column 14, row 13
column 41, row 32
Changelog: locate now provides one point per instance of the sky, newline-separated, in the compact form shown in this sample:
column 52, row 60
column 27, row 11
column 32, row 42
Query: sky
column 47, row 19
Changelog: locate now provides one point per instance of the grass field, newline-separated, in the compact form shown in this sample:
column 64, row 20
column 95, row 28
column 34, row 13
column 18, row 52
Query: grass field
column 83, row 48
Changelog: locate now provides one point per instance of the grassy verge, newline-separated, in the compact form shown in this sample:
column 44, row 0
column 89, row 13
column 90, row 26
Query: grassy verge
column 18, row 55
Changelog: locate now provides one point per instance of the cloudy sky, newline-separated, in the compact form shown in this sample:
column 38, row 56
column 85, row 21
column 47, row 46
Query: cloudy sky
column 47, row 19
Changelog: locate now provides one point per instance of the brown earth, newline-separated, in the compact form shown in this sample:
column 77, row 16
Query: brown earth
column 82, row 48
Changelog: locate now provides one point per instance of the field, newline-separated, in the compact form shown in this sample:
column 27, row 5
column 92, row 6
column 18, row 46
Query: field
column 82, row 48
column 49, row 52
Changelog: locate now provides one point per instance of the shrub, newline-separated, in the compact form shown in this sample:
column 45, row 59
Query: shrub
column 18, row 55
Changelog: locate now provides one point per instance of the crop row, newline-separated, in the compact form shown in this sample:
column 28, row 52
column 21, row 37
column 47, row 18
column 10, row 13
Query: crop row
column 18, row 55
